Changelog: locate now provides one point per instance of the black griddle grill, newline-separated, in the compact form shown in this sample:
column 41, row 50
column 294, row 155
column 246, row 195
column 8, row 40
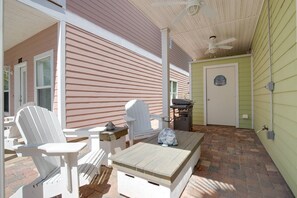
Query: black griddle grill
column 182, row 114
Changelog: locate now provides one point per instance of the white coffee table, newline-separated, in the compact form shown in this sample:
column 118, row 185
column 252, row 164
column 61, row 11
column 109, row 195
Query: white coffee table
column 148, row 169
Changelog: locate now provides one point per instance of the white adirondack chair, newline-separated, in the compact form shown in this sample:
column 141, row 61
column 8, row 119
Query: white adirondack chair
column 11, row 132
column 139, row 120
column 60, row 169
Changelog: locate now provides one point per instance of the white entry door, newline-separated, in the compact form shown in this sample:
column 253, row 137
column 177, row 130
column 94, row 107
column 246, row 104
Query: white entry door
column 20, row 85
column 221, row 95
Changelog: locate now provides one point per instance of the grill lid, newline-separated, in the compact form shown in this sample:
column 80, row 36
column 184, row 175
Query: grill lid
column 182, row 102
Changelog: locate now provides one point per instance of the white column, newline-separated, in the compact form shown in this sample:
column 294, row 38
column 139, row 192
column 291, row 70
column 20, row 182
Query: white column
column 165, row 75
column 61, row 59
column 2, row 189
column 190, row 82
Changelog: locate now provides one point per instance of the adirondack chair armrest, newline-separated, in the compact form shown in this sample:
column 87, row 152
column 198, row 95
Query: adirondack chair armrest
column 161, row 118
column 9, row 121
column 128, row 119
column 83, row 132
column 49, row 149
column 157, row 117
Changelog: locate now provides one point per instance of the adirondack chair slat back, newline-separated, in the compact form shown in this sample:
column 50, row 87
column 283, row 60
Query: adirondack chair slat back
column 38, row 125
column 13, row 131
column 139, row 110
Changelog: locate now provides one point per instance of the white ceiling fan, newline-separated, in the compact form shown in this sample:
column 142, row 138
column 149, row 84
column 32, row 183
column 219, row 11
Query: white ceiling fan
column 213, row 46
column 192, row 7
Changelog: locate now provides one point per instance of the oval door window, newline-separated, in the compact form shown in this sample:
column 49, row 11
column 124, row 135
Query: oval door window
column 220, row 80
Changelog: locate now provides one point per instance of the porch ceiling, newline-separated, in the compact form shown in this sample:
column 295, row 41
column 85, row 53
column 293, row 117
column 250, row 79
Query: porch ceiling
column 21, row 22
column 234, row 18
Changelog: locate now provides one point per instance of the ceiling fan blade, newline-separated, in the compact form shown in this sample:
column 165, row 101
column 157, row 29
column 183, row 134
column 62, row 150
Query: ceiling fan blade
column 229, row 40
column 225, row 47
column 168, row 3
column 208, row 11
column 179, row 16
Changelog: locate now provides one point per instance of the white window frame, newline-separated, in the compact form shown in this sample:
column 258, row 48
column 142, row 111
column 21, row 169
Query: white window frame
column 7, row 69
column 171, row 88
column 50, row 54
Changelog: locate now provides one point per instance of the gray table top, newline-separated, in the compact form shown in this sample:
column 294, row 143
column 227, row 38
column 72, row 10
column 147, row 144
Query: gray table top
column 151, row 158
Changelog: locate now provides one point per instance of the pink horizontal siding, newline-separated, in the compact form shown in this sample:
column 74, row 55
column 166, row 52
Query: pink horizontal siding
column 123, row 19
column 37, row 44
column 101, row 77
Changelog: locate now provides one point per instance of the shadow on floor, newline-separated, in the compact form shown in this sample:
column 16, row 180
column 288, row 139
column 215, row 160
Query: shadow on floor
column 9, row 155
column 234, row 163
column 99, row 185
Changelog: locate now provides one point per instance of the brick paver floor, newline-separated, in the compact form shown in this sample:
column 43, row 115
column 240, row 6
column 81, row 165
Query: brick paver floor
column 233, row 163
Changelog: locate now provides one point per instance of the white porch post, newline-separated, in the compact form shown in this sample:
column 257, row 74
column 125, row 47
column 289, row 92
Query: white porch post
column 2, row 177
column 165, row 75
column 61, row 56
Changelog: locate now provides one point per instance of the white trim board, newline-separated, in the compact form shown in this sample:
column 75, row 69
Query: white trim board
column 179, row 70
column 71, row 18
column 6, row 68
column 165, row 75
column 252, row 89
column 190, row 81
column 2, row 152
column 16, row 81
column 221, row 58
column 235, row 65
column 61, row 59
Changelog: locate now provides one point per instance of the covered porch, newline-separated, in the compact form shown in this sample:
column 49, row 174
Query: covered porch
column 233, row 163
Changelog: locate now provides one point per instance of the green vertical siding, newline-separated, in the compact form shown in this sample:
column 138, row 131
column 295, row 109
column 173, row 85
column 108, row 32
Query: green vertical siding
column 244, row 76
column 284, row 60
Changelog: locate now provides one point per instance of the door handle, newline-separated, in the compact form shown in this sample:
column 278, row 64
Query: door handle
column 208, row 99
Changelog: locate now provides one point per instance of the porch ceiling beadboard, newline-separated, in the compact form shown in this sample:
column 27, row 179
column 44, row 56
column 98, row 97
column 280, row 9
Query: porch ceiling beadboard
column 244, row 81
column 22, row 22
column 284, row 59
column 235, row 18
